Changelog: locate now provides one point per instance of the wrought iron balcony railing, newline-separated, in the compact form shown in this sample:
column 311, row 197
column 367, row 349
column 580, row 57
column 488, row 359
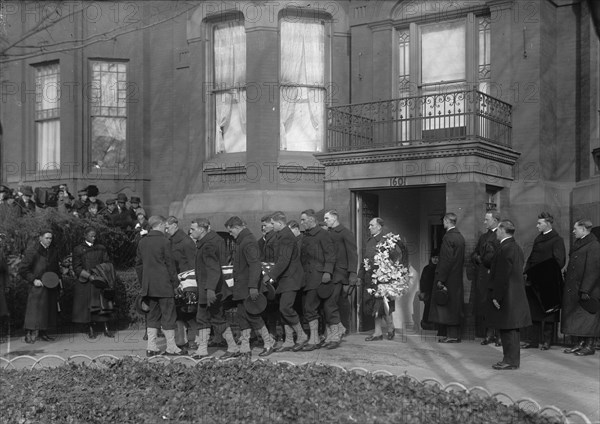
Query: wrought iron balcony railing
column 457, row 115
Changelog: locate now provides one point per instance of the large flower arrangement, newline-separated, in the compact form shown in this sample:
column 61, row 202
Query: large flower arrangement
column 389, row 275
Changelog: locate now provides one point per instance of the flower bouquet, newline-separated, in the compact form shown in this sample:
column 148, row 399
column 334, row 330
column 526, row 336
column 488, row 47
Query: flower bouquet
column 389, row 278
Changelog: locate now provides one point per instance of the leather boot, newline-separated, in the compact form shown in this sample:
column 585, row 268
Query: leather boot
column 578, row 346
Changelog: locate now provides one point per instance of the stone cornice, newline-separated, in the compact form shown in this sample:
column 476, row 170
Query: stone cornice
column 480, row 149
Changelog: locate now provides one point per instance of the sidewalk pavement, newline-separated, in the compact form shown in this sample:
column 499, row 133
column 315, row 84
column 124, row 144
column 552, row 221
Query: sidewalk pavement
column 548, row 377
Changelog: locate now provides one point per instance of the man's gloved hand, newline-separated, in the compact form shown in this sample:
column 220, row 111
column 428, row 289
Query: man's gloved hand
column 211, row 297
column 253, row 294
column 326, row 278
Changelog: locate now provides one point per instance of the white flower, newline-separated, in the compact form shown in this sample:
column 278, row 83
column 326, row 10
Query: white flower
column 391, row 277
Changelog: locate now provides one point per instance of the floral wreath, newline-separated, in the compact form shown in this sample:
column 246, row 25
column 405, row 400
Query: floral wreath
column 389, row 275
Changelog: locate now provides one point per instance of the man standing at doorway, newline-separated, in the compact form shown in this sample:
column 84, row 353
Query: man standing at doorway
column 449, row 280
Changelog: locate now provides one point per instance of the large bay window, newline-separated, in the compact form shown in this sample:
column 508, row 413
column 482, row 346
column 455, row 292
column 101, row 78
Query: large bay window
column 229, row 88
column 47, row 116
column 302, row 84
column 108, row 114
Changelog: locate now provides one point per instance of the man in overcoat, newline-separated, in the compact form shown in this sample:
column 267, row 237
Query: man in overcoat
column 582, row 282
column 481, row 258
column 288, row 276
column 544, row 280
column 318, row 260
column 157, row 274
column 247, row 279
column 211, row 256
column 183, row 249
column 346, row 265
column 267, row 248
column 509, row 310
column 449, row 277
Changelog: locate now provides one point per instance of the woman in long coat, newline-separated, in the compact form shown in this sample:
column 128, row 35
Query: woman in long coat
column 86, row 296
column 582, row 281
column 42, row 309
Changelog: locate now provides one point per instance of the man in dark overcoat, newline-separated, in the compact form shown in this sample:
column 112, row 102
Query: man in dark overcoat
column 288, row 276
column 449, row 277
column 183, row 249
column 247, row 279
column 544, row 281
column 346, row 265
column 211, row 256
column 481, row 258
column 267, row 248
column 582, row 282
column 508, row 308
column 318, row 260
column 156, row 272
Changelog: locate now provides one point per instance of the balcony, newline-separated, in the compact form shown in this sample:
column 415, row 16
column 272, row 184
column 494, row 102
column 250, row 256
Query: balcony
column 453, row 116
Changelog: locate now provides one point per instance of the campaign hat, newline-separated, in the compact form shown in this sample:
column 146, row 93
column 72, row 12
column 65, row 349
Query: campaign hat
column 50, row 279
column 255, row 307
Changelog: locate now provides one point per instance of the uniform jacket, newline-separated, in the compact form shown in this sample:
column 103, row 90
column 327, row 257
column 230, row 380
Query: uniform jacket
column 211, row 255
column 583, row 275
column 155, row 266
column 450, row 272
column 346, row 260
column 507, row 286
column 246, row 265
column 317, row 256
column 183, row 249
column 481, row 258
column 287, row 271
column 267, row 247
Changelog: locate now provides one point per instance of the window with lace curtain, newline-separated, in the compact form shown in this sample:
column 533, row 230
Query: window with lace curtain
column 302, row 84
column 229, row 88
column 47, row 115
column 108, row 114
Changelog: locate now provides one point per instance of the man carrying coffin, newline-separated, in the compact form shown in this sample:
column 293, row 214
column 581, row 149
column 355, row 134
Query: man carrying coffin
column 211, row 255
column 544, row 282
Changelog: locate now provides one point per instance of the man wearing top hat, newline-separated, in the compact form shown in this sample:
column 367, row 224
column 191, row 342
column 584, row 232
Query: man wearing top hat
column 318, row 256
column 156, row 272
column 211, row 256
column 25, row 202
column 246, row 286
column 288, row 275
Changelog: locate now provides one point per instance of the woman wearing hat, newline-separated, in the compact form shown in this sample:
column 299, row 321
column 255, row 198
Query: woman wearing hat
column 39, row 266
column 86, row 296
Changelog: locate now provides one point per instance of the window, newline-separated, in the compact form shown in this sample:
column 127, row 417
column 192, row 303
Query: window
column 302, row 84
column 229, row 90
column 443, row 53
column 108, row 114
column 47, row 116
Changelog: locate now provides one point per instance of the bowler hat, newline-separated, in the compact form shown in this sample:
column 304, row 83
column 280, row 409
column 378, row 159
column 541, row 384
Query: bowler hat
column 92, row 191
column 135, row 199
column 591, row 305
column 50, row 279
column 325, row 290
column 141, row 305
column 121, row 197
column 255, row 307
column 27, row 191
column 441, row 297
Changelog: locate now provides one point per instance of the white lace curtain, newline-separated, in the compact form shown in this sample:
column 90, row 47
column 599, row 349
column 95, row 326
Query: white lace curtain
column 48, row 117
column 230, row 91
column 302, row 79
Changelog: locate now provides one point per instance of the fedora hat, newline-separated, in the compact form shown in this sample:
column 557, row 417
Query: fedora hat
column 50, row 280
column 121, row 197
column 255, row 307
column 591, row 305
column 141, row 305
column 325, row 290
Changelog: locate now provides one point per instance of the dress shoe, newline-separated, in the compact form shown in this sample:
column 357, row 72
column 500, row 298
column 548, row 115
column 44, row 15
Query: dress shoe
column 283, row 349
column 333, row 345
column 529, row 345
column 575, row 348
column 45, row 337
column 545, row 346
column 504, row 366
column 29, row 338
column 192, row 345
column 586, row 351
column 299, row 346
column 449, row 340
column 391, row 334
column 486, row 341
column 151, row 353
column 198, row 357
column 266, row 351
column 374, row 338
column 228, row 355
column 498, row 342
column 91, row 333
column 310, row 347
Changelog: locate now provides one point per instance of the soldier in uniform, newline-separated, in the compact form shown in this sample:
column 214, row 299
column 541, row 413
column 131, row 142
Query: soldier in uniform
column 318, row 260
column 211, row 255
